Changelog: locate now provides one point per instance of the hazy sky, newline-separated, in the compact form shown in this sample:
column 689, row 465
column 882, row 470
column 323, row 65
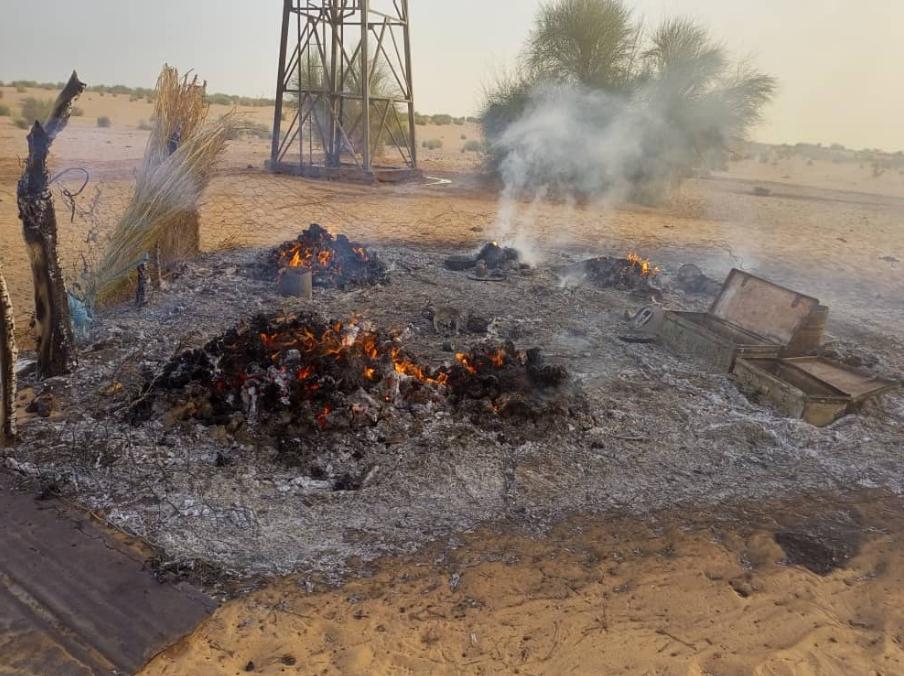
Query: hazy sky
column 840, row 62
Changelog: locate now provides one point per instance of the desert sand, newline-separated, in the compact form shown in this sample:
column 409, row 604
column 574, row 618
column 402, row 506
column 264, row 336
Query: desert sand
column 590, row 598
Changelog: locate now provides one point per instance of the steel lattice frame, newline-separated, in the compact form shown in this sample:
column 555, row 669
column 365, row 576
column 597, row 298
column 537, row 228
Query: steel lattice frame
column 345, row 91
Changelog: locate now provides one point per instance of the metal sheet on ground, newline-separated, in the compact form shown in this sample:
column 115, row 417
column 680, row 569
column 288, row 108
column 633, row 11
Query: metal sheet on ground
column 74, row 600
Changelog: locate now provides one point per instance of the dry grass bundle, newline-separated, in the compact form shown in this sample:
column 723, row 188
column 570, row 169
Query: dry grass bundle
column 179, row 161
column 180, row 111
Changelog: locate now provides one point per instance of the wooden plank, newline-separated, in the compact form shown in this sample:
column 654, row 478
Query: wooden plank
column 76, row 600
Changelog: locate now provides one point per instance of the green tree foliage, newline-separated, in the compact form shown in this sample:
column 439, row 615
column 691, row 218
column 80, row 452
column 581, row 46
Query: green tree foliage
column 591, row 42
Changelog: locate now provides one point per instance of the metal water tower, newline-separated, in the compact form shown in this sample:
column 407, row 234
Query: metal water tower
column 344, row 94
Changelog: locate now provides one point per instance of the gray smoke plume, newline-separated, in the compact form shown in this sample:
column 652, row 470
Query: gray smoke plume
column 574, row 144
column 571, row 143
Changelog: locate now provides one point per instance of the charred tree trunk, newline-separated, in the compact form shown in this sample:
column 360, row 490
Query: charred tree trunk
column 39, row 226
column 8, row 354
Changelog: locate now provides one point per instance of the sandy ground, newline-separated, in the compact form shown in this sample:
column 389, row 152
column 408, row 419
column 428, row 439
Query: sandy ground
column 590, row 598
column 657, row 604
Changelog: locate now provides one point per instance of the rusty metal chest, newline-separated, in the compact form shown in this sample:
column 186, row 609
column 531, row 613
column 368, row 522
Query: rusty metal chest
column 764, row 335
column 751, row 317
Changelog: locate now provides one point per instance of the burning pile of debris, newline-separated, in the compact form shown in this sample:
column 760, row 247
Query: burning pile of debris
column 334, row 262
column 295, row 379
column 632, row 273
column 491, row 262
column 500, row 380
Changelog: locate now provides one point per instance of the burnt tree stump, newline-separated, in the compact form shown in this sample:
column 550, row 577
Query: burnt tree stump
column 39, row 227
column 8, row 354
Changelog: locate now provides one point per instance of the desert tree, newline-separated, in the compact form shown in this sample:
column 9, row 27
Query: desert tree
column 590, row 42
column 505, row 100
column 705, row 104
column 673, row 98
column 39, row 226
column 8, row 354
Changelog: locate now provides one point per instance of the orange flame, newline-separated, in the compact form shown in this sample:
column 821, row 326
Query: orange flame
column 464, row 360
column 406, row 367
column 645, row 266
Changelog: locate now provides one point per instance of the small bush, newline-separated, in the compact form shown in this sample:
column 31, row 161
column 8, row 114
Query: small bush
column 22, row 124
column 464, row 137
column 1, row 93
column 219, row 99
column 432, row 144
column 442, row 120
column 459, row 121
column 256, row 130
column 104, row 122
column 77, row 112
column 421, row 120
column 144, row 125
column 245, row 101
column 248, row 128
column 36, row 110
column 20, row 89
column 472, row 146
column 4, row 111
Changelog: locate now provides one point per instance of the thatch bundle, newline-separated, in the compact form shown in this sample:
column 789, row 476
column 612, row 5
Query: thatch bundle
column 161, row 221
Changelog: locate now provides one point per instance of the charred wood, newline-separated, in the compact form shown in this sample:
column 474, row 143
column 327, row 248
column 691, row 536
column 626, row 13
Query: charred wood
column 39, row 227
column 141, row 288
column 8, row 354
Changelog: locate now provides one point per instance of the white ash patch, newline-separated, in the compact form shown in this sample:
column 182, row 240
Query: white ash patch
column 661, row 432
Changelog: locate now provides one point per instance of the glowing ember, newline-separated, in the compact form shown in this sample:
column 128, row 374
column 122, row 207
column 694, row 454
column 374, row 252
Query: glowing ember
column 334, row 261
column 644, row 265
column 465, row 362
column 406, row 367
column 292, row 378
column 323, row 416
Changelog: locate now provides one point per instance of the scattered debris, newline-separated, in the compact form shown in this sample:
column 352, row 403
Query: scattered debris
column 489, row 264
column 335, row 262
column 293, row 381
column 632, row 273
column 269, row 493
column 42, row 405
